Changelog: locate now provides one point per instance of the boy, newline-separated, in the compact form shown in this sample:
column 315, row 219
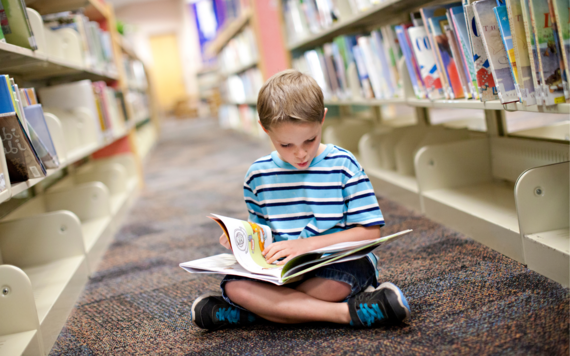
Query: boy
column 311, row 195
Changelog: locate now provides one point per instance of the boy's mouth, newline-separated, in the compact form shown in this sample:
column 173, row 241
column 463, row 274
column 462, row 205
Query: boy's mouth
column 303, row 165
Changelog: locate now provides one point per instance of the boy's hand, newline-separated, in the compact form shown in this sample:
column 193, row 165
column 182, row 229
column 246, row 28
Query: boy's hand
column 287, row 249
column 224, row 242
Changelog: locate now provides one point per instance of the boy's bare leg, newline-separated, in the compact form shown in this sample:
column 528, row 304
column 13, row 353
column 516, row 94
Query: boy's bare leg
column 314, row 300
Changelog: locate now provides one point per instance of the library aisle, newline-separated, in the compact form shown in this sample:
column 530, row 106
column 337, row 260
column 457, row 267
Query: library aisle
column 465, row 298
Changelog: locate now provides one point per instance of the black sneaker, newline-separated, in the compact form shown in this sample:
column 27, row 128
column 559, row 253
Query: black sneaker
column 386, row 305
column 212, row 312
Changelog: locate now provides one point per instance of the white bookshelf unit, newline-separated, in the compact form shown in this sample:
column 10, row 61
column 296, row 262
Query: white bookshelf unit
column 470, row 175
column 55, row 230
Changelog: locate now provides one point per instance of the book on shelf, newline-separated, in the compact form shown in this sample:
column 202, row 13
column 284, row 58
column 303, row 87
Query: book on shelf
column 559, row 42
column 521, row 52
column 363, row 75
column 248, row 240
column 426, row 61
column 457, row 19
column 502, row 16
column 547, row 53
column 485, row 80
column 532, row 52
column 560, row 11
column 3, row 22
column 427, row 13
column 458, row 59
column 22, row 160
column 16, row 24
column 383, row 50
column 373, row 67
column 411, row 64
column 495, row 50
column 37, row 123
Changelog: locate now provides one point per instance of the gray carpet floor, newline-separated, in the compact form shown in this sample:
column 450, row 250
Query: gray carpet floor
column 465, row 298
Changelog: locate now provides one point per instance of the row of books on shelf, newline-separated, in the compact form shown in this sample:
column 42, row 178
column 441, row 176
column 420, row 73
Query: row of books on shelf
column 243, row 87
column 66, row 35
column 242, row 118
column 231, row 9
column 512, row 51
column 239, row 52
column 306, row 17
column 29, row 145
column 136, row 76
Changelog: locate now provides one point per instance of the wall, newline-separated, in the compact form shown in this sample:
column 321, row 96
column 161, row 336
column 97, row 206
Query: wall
column 163, row 17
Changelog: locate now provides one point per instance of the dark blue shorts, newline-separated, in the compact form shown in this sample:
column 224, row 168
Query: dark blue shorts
column 358, row 274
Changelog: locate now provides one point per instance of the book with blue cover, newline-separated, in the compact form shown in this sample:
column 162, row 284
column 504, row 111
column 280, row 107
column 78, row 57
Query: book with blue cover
column 524, row 71
column 37, row 122
column 411, row 64
column 458, row 19
column 505, row 30
column 485, row 80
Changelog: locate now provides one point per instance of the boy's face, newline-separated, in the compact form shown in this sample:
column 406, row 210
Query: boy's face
column 297, row 143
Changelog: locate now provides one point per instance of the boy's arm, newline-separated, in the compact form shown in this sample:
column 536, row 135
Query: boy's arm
column 297, row 247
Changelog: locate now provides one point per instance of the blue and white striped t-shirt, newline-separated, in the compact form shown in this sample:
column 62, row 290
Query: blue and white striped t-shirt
column 331, row 195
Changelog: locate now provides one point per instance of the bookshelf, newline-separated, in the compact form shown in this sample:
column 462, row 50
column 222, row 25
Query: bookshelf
column 469, row 180
column 54, row 230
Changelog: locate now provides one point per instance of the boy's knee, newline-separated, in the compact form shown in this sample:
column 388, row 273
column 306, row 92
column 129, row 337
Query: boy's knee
column 236, row 290
column 326, row 289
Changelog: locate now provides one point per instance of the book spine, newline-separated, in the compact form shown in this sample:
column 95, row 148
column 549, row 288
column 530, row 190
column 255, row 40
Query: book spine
column 409, row 61
column 561, row 10
column 448, row 92
column 548, row 62
column 559, row 47
column 496, row 53
column 485, row 80
column 505, row 31
column 459, row 63
column 521, row 51
column 362, row 73
column 532, row 52
column 463, row 39
column 370, row 64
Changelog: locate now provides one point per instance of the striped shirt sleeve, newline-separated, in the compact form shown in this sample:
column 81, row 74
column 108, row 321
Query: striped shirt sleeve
column 361, row 206
column 256, row 214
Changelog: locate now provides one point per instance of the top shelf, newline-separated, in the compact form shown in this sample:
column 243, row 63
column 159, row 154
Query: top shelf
column 94, row 9
column 227, row 33
column 30, row 65
column 376, row 15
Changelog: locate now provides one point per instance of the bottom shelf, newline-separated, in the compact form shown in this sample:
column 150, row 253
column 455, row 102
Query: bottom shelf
column 485, row 212
column 56, row 286
column 401, row 188
column 548, row 253
column 25, row 343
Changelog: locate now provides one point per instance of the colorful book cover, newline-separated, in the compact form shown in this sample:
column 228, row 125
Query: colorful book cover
column 485, row 80
column 458, row 20
column 410, row 63
column 456, row 51
column 16, row 25
column 520, row 47
column 555, row 20
column 498, row 59
column 427, row 13
column 426, row 61
column 445, row 55
column 505, row 30
column 548, row 56
column 561, row 12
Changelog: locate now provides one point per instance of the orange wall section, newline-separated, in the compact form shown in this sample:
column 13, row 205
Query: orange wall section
column 272, row 45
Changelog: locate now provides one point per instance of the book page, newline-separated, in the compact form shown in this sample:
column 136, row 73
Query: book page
column 248, row 241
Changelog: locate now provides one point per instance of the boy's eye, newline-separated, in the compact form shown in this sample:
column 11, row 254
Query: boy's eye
column 311, row 140
column 285, row 146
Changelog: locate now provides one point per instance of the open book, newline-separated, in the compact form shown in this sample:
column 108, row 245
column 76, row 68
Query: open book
column 248, row 240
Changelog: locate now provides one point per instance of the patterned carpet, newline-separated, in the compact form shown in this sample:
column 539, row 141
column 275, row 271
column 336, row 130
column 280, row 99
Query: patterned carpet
column 465, row 298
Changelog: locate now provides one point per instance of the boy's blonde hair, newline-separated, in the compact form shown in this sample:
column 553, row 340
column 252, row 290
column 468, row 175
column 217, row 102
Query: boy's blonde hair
column 290, row 96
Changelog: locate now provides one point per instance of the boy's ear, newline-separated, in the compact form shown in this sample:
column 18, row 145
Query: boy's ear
column 324, row 115
column 259, row 122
